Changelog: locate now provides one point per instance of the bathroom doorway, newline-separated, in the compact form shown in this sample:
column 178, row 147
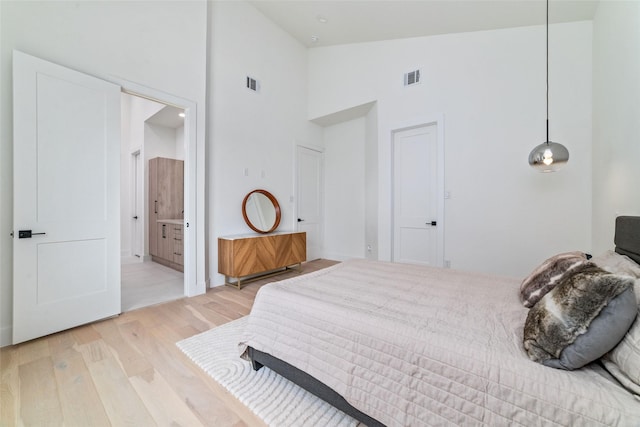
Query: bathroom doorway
column 150, row 129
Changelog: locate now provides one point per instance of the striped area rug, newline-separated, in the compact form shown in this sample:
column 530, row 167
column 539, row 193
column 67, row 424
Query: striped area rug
column 276, row 400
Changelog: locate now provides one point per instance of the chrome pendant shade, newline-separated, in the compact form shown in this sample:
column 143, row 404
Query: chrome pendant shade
column 548, row 156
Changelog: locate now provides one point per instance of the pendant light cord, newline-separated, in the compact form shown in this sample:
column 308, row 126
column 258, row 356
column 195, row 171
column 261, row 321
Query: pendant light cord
column 547, row 72
column 548, row 156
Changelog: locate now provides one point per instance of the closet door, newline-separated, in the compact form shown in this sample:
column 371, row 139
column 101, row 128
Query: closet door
column 415, row 180
column 166, row 196
column 170, row 188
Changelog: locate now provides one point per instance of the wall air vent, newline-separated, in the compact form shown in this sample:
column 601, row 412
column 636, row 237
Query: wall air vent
column 412, row 78
column 253, row 84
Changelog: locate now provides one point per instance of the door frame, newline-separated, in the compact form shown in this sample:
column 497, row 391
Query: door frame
column 137, row 202
column 194, row 179
column 386, row 224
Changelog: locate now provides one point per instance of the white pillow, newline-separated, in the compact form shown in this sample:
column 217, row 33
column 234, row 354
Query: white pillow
column 623, row 362
column 613, row 262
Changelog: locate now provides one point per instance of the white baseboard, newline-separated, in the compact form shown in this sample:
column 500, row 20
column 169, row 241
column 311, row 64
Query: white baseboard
column 217, row 281
column 340, row 257
column 6, row 336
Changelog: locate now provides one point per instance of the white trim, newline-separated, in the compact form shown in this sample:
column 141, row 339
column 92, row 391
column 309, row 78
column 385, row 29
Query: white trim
column 136, row 183
column 313, row 147
column 6, row 335
column 293, row 198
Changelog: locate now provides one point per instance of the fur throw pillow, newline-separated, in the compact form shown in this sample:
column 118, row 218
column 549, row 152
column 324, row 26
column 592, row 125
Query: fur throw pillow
column 547, row 275
column 565, row 316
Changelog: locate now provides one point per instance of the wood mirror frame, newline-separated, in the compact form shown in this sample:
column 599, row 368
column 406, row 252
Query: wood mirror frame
column 254, row 197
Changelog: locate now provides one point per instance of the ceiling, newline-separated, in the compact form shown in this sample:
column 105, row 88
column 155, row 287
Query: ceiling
column 167, row 117
column 356, row 21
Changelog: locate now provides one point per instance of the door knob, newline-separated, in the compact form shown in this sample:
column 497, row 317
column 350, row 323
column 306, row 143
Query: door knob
column 300, row 219
column 135, row 217
column 26, row 234
column 433, row 223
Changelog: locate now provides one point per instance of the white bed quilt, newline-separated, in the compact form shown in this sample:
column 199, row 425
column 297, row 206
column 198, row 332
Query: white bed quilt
column 411, row 345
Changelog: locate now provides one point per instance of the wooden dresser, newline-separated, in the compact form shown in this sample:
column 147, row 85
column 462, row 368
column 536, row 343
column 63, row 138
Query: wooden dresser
column 248, row 256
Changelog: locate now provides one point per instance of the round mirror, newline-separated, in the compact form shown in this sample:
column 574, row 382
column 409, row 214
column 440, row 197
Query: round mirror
column 261, row 211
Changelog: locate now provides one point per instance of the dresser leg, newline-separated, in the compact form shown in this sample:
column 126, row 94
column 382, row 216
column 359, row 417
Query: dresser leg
column 237, row 284
column 244, row 279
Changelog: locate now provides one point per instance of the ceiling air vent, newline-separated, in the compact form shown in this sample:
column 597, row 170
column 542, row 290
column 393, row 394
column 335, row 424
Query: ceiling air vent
column 412, row 78
column 253, row 84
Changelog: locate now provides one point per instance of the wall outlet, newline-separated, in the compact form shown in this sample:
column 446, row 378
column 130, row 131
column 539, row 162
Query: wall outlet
column 447, row 263
column 253, row 84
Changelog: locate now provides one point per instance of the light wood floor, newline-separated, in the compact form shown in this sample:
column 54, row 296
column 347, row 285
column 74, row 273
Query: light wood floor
column 127, row 371
column 147, row 283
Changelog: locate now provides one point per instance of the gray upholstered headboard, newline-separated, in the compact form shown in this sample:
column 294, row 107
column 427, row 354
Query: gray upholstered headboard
column 627, row 238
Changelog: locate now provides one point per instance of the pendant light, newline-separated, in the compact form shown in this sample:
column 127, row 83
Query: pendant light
column 548, row 156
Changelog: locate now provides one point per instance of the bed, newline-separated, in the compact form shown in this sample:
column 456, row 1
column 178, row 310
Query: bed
column 405, row 345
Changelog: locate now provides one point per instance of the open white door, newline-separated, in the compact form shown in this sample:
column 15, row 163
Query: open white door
column 66, row 246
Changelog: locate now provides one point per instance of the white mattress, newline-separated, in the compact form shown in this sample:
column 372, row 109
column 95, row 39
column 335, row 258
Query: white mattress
column 411, row 345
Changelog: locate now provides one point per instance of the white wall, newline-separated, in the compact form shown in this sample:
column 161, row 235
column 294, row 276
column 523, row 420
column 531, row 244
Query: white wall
column 344, row 190
column 253, row 131
column 159, row 141
column 156, row 44
column 179, row 143
column 616, row 117
column 371, row 183
column 503, row 217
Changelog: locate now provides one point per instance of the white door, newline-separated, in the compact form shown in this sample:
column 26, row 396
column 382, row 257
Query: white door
column 66, row 191
column 415, row 192
column 309, row 207
column 137, row 214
